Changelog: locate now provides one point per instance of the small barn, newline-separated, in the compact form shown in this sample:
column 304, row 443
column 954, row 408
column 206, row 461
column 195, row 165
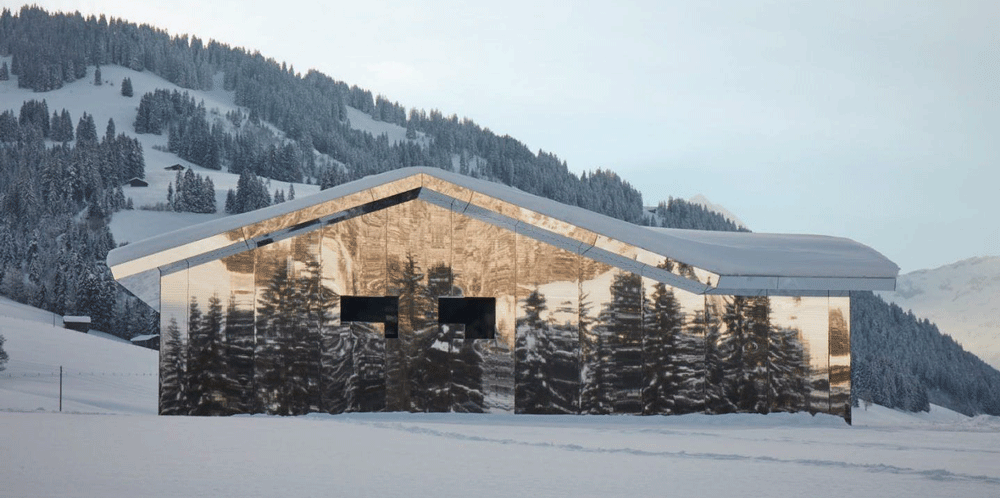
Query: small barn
column 77, row 323
column 137, row 182
column 176, row 167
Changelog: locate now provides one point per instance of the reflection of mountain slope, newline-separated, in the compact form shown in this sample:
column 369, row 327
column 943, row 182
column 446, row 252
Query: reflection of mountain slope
column 962, row 298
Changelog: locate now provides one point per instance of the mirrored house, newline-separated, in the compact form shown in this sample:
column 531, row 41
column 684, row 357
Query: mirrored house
column 422, row 290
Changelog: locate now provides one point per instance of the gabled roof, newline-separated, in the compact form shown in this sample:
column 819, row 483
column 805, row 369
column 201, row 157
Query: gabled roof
column 709, row 262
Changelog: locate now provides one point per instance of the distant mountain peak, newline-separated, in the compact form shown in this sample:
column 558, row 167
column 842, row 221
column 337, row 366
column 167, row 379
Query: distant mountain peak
column 703, row 201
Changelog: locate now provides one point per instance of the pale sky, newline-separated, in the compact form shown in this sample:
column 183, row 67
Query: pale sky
column 873, row 120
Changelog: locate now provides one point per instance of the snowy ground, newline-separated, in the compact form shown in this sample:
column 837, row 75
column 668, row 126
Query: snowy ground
column 108, row 442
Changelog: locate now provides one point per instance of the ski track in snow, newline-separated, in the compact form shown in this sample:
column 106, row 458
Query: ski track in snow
column 933, row 474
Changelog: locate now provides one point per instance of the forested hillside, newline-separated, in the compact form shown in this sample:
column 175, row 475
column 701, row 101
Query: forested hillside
column 902, row 361
column 56, row 199
column 51, row 186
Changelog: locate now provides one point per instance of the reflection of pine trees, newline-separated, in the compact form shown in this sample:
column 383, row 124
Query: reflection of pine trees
column 529, row 376
column 789, row 370
column 416, row 312
column 689, row 396
column 546, row 369
column 718, row 350
column 594, row 364
column 367, row 384
column 239, row 349
column 337, row 368
column 207, row 360
column 433, row 365
column 662, row 363
column 291, row 316
column 172, row 368
column 764, row 366
column 621, row 321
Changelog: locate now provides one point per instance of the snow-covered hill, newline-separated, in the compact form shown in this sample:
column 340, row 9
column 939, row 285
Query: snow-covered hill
column 105, row 102
column 99, row 375
column 962, row 298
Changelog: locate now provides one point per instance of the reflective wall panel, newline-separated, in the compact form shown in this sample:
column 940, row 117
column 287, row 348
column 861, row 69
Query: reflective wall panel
column 353, row 255
column 239, row 331
column 406, row 243
column 483, row 261
column 840, row 356
column 801, row 375
column 173, row 343
column 261, row 331
column 547, row 366
column 208, row 361
column 595, row 355
column 673, row 351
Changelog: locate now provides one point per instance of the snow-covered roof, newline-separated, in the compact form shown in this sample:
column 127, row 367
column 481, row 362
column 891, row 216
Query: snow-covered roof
column 740, row 261
column 140, row 338
column 76, row 319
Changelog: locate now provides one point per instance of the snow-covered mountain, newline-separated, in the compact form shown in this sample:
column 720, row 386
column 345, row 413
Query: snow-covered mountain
column 962, row 298
column 703, row 201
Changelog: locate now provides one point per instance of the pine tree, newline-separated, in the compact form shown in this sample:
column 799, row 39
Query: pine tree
column 4, row 72
column 109, row 133
column 66, row 126
column 127, row 87
column 97, row 76
column 86, row 131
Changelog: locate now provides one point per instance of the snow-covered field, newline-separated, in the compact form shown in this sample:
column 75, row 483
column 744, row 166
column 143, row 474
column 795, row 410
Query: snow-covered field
column 109, row 442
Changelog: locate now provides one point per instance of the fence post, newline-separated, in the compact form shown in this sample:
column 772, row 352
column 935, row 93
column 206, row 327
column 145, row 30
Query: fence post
column 60, row 388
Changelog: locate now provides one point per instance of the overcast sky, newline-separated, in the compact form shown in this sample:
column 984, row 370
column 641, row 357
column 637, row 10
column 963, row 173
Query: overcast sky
column 874, row 120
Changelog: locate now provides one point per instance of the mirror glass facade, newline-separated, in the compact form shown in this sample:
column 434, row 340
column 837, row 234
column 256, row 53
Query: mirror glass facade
column 262, row 330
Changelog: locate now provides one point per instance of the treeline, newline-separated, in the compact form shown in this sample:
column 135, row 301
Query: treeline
column 193, row 193
column 905, row 362
column 248, row 147
column 54, row 237
column 51, row 50
column 679, row 213
column 251, row 194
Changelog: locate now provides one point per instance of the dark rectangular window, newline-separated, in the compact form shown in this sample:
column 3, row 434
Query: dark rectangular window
column 372, row 309
column 478, row 314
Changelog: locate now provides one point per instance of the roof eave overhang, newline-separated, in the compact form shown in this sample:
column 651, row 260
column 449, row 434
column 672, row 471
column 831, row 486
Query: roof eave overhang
column 798, row 286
